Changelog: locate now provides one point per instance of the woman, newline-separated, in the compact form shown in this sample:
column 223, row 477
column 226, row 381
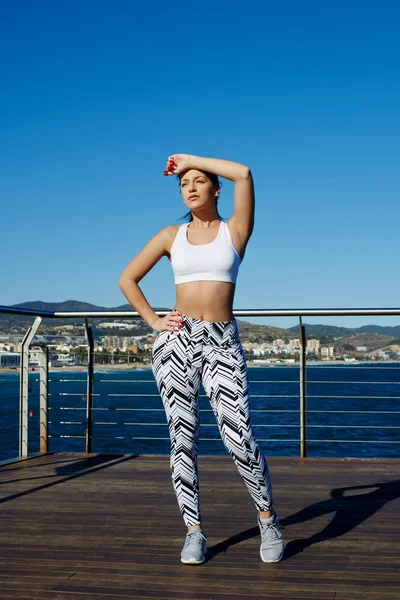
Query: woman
column 199, row 340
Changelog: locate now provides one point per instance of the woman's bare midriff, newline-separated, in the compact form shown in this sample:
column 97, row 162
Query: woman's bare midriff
column 206, row 300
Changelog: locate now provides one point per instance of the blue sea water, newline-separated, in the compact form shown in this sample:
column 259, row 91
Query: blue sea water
column 352, row 411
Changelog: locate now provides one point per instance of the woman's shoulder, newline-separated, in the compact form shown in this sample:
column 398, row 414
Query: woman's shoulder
column 169, row 233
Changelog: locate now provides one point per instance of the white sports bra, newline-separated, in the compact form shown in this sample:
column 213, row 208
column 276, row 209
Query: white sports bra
column 216, row 261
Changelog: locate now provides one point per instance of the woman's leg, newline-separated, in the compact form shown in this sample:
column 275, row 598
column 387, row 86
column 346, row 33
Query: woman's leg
column 225, row 381
column 178, row 382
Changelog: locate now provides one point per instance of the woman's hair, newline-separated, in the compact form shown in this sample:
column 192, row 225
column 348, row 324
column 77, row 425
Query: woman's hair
column 215, row 181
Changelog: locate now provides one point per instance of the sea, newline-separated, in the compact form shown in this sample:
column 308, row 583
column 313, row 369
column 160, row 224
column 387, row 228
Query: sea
column 353, row 411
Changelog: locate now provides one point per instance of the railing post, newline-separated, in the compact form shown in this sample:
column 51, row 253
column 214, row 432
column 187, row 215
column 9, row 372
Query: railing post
column 89, row 398
column 303, row 430
column 24, row 388
column 44, row 399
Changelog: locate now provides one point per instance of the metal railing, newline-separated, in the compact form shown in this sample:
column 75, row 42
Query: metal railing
column 89, row 412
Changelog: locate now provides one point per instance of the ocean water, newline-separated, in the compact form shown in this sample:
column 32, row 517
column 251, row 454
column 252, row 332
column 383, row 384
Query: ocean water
column 352, row 411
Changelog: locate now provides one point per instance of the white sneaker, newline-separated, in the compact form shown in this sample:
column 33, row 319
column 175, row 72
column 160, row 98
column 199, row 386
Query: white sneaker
column 272, row 548
column 194, row 550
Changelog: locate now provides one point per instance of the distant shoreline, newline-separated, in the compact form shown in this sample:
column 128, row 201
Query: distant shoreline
column 130, row 367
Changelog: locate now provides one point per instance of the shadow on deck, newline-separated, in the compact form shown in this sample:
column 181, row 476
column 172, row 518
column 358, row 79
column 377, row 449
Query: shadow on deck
column 78, row 527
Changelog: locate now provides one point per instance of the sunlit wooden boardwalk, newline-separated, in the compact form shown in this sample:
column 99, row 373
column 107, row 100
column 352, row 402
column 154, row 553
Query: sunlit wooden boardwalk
column 74, row 527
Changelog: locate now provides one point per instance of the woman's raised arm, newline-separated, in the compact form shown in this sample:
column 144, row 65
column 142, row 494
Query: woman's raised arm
column 243, row 201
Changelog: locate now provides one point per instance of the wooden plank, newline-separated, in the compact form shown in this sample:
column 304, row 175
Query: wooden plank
column 97, row 528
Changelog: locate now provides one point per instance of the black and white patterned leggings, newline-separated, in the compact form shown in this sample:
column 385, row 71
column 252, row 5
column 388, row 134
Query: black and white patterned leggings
column 211, row 352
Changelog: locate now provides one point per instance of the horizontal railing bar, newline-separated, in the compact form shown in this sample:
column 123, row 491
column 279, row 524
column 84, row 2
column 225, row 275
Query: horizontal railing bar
column 268, row 381
column 203, row 395
column 251, row 381
column 256, row 410
column 344, row 412
column 166, row 424
column 79, row 380
column 121, row 437
column 347, row 396
column 353, row 366
column 353, row 441
column 320, row 396
column 261, row 440
column 309, row 366
column 349, row 426
column 341, row 365
column 358, row 412
column 282, row 425
column 287, row 312
column 152, row 381
column 347, row 382
column 328, row 440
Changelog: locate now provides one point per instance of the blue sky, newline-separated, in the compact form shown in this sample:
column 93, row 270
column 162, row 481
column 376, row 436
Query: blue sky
column 94, row 95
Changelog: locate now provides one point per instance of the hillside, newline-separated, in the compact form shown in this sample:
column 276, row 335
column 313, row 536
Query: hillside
column 320, row 332
column 330, row 333
column 371, row 340
column 263, row 333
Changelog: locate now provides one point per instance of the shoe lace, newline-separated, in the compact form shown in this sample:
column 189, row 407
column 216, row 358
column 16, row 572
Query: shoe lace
column 194, row 536
column 269, row 531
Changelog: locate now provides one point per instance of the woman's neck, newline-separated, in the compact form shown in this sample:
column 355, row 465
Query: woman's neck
column 204, row 221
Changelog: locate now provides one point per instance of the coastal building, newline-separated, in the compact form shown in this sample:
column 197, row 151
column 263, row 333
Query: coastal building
column 313, row 346
column 9, row 359
column 328, row 351
column 294, row 344
column 8, row 347
column 66, row 359
column 260, row 350
column 118, row 325
column 60, row 348
column 386, row 354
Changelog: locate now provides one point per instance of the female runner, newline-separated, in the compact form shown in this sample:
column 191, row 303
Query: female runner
column 199, row 341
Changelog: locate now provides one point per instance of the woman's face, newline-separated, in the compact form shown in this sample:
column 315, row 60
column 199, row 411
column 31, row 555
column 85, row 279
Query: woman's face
column 197, row 190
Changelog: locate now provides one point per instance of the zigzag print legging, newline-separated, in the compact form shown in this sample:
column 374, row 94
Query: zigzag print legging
column 211, row 352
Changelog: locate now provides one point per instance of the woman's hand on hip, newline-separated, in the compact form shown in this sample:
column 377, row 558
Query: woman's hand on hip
column 171, row 322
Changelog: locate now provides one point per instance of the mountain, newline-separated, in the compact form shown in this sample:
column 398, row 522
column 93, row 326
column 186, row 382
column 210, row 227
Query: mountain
column 11, row 321
column 330, row 332
column 391, row 331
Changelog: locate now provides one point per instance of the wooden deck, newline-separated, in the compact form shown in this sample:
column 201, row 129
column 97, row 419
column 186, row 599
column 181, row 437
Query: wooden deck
column 74, row 527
